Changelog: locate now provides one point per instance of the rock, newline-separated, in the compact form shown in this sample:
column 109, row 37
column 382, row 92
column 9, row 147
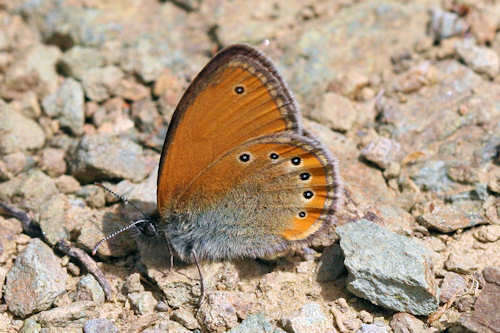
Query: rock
column 133, row 284
column 3, row 275
column 445, row 218
column 185, row 318
column 52, row 161
column 38, row 270
column 142, row 302
column 461, row 263
column 34, row 70
column 74, row 313
column 100, row 83
column 145, row 114
column 406, row 323
column 88, row 289
column 18, row 162
column 481, row 59
column 52, row 218
column 336, row 112
column 17, row 132
column 167, row 326
column 28, row 105
column 94, row 195
column 484, row 317
column 255, row 323
column 445, row 24
column 332, row 264
column 218, row 313
column 453, row 285
column 67, row 184
column 33, row 188
column 310, row 318
column 9, row 235
column 431, row 176
column 373, row 328
column 94, row 225
column 350, row 85
column 143, row 58
column 99, row 325
column 389, row 270
column 131, row 90
column 494, row 180
column 31, row 326
column 382, row 152
column 102, row 157
column 77, row 60
column 487, row 233
column 67, row 106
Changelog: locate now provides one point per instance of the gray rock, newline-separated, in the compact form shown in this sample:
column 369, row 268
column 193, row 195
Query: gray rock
column 17, row 132
column 145, row 58
column 103, row 157
column 100, row 83
column 167, row 326
column 76, row 61
column 67, row 105
column 33, row 188
column 432, row 176
column 88, row 289
column 311, row 318
column 481, row 59
column 382, row 152
column 445, row 24
column 42, row 60
column 372, row 328
column 52, row 218
column 405, row 323
column 133, row 284
column 389, row 270
column 99, row 325
column 332, row 264
column 38, row 270
column 142, row 302
column 460, row 262
column 256, row 323
column 68, row 25
column 30, row 325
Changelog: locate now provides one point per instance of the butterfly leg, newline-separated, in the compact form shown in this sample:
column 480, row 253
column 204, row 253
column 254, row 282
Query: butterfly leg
column 202, row 285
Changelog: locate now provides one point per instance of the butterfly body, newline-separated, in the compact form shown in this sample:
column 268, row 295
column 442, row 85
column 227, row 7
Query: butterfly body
column 238, row 175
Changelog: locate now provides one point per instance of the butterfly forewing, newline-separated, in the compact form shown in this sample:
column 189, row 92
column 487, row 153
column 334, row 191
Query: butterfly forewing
column 238, row 96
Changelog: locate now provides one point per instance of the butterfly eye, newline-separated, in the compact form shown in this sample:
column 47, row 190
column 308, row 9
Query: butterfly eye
column 308, row 194
column 302, row 214
column 274, row 156
column 296, row 161
column 305, row 175
column 245, row 157
column 239, row 89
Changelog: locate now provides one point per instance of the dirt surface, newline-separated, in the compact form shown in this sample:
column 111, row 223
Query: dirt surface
column 406, row 94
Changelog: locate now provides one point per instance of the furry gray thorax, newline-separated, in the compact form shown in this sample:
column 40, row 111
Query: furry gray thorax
column 234, row 227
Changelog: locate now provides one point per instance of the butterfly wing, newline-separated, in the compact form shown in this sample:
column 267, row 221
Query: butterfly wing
column 238, row 96
column 282, row 189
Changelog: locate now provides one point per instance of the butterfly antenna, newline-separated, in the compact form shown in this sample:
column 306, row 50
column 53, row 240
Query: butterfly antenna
column 114, row 234
column 121, row 198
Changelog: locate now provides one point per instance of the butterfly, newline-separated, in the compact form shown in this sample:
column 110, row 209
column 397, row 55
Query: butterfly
column 238, row 174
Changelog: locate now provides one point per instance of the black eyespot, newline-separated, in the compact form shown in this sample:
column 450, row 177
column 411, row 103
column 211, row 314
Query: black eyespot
column 296, row 160
column 274, row 156
column 239, row 90
column 245, row 157
column 308, row 194
column 305, row 175
column 302, row 214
